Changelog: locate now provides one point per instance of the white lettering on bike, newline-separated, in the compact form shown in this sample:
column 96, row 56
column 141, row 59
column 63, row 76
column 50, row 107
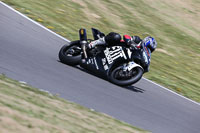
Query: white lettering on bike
column 145, row 57
column 95, row 62
column 108, row 57
column 114, row 53
column 104, row 63
column 129, row 52
column 106, row 67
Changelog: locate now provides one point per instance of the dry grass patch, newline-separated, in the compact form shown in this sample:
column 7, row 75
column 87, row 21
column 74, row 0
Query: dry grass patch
column 28, row 110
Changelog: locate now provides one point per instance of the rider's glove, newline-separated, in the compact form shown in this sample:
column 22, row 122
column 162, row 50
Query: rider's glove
column 135, row 46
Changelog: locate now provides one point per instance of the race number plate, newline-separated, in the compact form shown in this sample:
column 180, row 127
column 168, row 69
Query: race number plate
column 113, row 53
column 132, row 65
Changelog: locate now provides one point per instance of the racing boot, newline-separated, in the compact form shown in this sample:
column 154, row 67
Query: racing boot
column 100, row 41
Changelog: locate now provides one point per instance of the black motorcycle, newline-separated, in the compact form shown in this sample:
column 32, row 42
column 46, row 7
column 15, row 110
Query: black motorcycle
column 119, row 64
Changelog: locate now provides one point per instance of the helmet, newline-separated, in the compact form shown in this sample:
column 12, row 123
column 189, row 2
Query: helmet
column 150, row 42
column 113, row 38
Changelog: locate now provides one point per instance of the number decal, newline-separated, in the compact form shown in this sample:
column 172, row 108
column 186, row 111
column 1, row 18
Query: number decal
column 114, row 53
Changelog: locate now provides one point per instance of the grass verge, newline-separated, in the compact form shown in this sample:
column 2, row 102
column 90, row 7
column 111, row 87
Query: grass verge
column 24, row 109
column 174, row 24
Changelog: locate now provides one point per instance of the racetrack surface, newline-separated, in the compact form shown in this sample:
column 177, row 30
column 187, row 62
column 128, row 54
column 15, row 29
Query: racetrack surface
column 30, row 53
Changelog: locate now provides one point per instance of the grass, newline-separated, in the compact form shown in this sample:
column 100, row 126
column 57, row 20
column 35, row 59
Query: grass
column 27, row 109
column 174, row 24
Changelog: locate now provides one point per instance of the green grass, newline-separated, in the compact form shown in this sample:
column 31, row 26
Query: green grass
column 27, row 109
column 174, row 24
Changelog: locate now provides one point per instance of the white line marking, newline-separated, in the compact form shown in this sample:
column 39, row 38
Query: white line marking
column 171, row 91
column 69, row 41
column 34, row 21
column 22, row 82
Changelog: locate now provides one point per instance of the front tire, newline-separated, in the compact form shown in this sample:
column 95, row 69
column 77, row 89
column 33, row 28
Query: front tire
column 70, row 54
column 134, row 76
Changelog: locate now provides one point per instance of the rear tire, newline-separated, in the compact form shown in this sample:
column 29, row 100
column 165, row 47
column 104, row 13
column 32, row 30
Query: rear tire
column 70, row 54
column 138, row 72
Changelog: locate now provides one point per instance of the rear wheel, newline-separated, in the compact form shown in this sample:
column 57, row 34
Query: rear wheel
column 125, row 78
column 70, row 54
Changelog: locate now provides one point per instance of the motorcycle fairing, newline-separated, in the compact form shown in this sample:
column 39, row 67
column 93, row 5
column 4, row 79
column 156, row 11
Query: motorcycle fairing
column 97, row 34
column 106, row 59
column 113, row 53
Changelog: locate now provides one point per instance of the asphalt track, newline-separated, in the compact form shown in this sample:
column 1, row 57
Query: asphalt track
column 29, row 53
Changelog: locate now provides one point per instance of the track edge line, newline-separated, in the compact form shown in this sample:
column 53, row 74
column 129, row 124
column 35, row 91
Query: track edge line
column 171, row 91
column 33, row 21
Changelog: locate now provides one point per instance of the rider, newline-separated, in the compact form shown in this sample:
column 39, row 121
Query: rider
column 145, row 46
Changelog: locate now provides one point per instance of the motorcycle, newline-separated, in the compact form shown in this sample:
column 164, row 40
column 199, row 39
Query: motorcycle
column 118, row 64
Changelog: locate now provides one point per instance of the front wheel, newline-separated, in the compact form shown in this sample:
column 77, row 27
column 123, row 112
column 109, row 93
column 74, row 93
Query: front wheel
column 125, row 78
column 70, row 54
